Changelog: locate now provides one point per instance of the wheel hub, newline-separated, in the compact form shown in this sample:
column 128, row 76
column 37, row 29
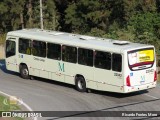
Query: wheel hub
column 25, row 72
column 80, row 84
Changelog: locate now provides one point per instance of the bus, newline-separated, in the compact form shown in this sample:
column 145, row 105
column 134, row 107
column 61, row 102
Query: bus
column 84, row 61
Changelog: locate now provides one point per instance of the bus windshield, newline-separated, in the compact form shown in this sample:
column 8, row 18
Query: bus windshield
column 141, row 59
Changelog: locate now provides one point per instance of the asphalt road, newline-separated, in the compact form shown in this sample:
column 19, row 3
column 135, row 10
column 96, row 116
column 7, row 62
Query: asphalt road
column 46, row 95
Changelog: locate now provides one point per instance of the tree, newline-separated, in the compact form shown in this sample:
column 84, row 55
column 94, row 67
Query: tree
column 51, row 16
column 83, row 16
column 12, row 14
column 29, row 6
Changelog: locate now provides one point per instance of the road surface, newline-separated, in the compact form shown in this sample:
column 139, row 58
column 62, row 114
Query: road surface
column 47, row 95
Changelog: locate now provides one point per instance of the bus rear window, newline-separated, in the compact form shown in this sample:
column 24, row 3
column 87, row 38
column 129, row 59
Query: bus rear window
column 141, row 59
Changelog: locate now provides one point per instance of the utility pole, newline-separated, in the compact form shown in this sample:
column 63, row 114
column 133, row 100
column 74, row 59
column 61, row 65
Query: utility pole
column 41, row 14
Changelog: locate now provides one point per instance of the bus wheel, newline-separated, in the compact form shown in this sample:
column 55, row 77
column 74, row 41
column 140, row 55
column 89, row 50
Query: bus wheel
column 80, row 84
column 24, row 72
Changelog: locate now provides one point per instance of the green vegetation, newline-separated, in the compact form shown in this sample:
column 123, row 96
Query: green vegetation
column 2, row 38
column 133, row 20
column 5, row 106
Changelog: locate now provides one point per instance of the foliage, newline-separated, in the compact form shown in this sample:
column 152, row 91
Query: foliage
column 17, row 14
column 2, row 38
column 133, row 20
column 85, row 15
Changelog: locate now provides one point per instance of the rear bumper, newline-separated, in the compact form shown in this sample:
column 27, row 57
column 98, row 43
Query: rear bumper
column 128, row 89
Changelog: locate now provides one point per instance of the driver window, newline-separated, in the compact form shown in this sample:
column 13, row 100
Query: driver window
column 10, row 48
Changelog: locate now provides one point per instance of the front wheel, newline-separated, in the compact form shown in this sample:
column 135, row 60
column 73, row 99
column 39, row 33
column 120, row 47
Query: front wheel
column 80, row 84
column 24, row 72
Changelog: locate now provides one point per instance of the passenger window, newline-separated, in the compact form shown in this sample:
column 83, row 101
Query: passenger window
column 39, row 48
column 25, row 46
column 10, row 48
column 85, row 57
column 103, row 60
column 116, row 62
column 54, row 51
column 69, row 54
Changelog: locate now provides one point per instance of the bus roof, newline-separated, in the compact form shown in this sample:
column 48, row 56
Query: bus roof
column 77, row 40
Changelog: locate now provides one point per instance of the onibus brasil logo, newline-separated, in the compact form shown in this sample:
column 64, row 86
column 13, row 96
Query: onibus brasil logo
column 10, row 104
column 13, row 100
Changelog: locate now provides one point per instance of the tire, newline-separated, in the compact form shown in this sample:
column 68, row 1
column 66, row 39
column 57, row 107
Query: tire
column 24, row 72
column 80, row 84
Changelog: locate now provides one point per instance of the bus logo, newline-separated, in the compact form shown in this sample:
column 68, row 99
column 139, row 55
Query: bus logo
column 142, row 79
column 61, row 67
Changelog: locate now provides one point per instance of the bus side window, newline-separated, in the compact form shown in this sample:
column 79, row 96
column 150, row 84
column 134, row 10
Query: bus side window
column 85, row 57
column 117, row 62
column 103, row 60
column 25, row 46
column 69, row 54
column 54, row 51
column 39, row 48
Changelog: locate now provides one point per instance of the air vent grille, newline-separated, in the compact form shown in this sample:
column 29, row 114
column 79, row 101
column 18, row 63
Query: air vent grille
column 116, row 42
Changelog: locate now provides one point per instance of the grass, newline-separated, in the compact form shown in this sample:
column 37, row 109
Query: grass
column 5, row 106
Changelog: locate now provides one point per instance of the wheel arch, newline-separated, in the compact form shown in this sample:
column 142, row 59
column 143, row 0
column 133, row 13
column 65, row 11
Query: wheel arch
column 22, row 64
column 79, row 75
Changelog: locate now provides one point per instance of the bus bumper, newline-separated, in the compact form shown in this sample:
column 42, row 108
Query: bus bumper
column 128, row 89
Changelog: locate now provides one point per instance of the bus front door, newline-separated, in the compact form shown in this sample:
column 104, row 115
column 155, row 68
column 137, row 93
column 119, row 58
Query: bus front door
column 11, row 61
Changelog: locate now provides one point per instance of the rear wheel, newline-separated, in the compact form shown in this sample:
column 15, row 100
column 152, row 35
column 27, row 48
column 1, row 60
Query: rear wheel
column 80, row 84
column 24, row 72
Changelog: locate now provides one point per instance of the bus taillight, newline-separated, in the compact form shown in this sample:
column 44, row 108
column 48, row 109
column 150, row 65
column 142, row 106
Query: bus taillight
column 128, row 81
column 155, row 76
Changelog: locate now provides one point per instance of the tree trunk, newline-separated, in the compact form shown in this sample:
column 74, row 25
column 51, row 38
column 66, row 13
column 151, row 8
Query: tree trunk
column 22, row 20
column 30, row 14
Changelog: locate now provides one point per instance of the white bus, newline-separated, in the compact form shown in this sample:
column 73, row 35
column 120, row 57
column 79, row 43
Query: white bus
column 84, row 61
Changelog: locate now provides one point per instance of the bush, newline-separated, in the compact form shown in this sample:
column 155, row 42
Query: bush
column 2, row 38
